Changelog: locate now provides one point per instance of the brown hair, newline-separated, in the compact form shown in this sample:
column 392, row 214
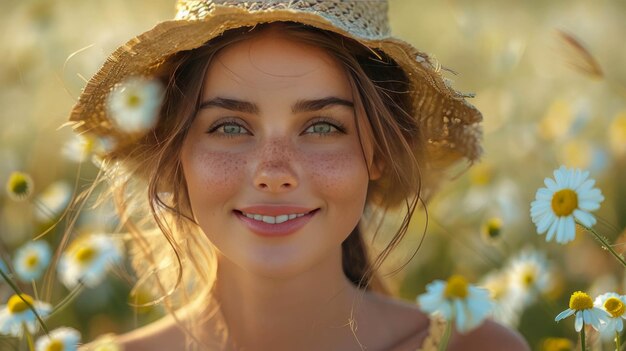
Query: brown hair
column 381, row 95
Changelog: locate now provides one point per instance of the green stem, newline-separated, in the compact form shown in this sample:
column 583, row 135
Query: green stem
column 604, row 243
column 583, row 343
column 68, row 299
column 19, row 293
column 618, row 341
column 443, row 345
column 29, row 338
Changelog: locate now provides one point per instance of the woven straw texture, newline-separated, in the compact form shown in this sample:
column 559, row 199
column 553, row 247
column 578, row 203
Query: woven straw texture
column 450, row 124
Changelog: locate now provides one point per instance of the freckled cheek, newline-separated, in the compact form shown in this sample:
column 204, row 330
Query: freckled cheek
column 213, row 177
column 337, row 175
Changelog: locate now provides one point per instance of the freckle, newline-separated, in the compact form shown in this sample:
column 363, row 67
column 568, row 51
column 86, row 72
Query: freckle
column 330, row 170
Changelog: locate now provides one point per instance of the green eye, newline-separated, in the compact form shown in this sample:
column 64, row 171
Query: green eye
column 322, row 128
column 233, row 129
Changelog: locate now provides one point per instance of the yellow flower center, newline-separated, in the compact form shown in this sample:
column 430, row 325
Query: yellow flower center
column 529, row 277
column 482, row 174
column 19, row 185
column 85, row 254
column 17, row 305
column 456, row 287
column 614, row 306
column 55, row 345
column 564, row 202
column 557, row 344
column 493, row 227
column 32, row 261
column 497, row 290
column 580, row 301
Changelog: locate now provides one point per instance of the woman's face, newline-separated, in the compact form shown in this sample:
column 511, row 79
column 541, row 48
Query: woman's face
column 276, row 174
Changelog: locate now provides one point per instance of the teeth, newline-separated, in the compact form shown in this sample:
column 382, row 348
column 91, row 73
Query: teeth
column 282, row 218
column 273, row 220
column 269, row 219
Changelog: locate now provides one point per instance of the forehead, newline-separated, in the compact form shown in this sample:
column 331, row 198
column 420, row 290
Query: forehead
column 272, row 62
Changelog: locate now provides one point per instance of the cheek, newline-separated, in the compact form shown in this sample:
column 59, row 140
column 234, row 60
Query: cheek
column 340, row 175
column 212, row 177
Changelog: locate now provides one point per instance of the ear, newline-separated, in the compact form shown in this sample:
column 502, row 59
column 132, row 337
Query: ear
column 376, row 169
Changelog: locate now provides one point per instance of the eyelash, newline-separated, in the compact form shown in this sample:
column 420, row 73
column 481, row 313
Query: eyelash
column 340, row 128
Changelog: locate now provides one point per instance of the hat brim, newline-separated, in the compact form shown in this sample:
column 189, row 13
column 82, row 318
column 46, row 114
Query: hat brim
column 449, row 123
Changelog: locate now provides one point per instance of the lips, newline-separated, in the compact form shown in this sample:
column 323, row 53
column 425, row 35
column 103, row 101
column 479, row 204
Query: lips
column 273, row 220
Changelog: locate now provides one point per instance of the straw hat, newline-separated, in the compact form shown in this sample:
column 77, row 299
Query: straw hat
column 449, row 123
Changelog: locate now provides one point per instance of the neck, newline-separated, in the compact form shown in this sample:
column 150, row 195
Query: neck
column 312, row 308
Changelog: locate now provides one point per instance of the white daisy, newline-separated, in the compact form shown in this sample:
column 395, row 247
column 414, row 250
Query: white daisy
column 615, row 306
column 507, row 304
column 16, row 314
column 457, row 300
column 492, row 229
column 53, row 200
column 19, row 186
column 88, row 258
column 568, row 198
column 78, row 148
column 134, row 105
column 529, row 275
column 581, row 305
column 31, row 260
column 61, row 339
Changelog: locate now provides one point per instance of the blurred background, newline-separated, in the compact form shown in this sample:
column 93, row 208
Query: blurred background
column 549, row 77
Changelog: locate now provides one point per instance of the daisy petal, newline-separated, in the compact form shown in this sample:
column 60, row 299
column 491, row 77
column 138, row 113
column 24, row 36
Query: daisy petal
column 544, row 194
column 568, row 312
column 551, row 184
column 461, row 318
column 538, row 208
column 588, row 205
column 560, row 230
column 567, row 230
column 586, row 186
column 585, row 218
column 545, row 223
column 578, row 324
column 588, row 317
column 560, row 177
column 552, row 230
column 592, row 195
column 577, row 179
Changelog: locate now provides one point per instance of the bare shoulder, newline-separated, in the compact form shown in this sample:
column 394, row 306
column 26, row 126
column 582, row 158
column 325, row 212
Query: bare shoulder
column 399, row 325
column 490, row 336
column 162, row 334
column 413, row 327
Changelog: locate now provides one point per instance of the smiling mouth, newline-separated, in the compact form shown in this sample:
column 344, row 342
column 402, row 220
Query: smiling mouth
column 274, row 219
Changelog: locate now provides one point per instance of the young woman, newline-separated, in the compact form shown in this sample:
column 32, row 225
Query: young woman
column 286, row 129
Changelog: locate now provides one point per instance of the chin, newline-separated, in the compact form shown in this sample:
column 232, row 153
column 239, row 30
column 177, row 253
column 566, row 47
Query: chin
column 280, row 264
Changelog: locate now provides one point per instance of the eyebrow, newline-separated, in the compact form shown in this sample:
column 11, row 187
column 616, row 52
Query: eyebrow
column 299, row 106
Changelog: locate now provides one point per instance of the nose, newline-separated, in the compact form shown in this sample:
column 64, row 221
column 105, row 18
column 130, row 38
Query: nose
column 275, row 168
